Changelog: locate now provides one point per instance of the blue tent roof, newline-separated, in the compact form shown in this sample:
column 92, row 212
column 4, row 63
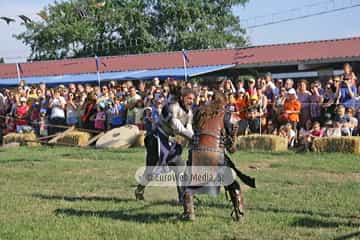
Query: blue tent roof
column 178, row 73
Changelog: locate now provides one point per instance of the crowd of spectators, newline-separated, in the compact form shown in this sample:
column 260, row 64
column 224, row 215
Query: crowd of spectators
column 299, row 111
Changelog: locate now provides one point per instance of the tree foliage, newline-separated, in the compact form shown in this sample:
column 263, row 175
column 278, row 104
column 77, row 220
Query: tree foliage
column 83, row 28
column 2, row 60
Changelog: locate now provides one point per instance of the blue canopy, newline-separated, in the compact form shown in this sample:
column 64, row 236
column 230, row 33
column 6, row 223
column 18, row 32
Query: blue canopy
column 178, row 73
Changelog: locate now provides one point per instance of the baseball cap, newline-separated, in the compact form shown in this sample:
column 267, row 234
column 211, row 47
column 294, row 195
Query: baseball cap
column 292, row 91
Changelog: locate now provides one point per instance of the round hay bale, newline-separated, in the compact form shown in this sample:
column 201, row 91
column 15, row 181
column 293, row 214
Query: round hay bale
column 119, row 138
column 337, row 144
column 24, row 139
column 77, row 138
column 140, row 140
column 271, row 143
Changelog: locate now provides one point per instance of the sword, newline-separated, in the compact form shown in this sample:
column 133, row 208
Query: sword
column 250, row 181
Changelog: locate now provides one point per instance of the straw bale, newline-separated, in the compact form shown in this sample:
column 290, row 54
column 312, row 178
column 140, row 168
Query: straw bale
column 337, row 144
column 262, row 142
column 76, row 138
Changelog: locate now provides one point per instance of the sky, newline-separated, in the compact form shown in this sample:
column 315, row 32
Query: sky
column 340, row 24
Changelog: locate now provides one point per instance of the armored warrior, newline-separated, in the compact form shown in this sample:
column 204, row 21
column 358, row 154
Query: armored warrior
column 215, row 132
column 176, row 119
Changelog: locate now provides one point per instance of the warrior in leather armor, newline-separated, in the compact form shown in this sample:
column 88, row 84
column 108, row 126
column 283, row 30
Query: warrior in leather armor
column 215, row 134
column 162, row 152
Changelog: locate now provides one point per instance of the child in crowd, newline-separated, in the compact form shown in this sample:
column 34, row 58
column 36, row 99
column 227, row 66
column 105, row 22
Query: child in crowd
column 100, row 118
column 43, row 123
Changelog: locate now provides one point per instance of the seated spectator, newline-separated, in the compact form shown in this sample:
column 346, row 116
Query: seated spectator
column 353, row 122
column 270, row 128
column 304, row 135
column 332, row 129
column 100, row 118
column 287, row 132
column 343, row 120
column 253, row 121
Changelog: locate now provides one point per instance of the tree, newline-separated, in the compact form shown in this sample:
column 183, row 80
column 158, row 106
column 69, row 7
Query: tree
column 84, row 28
column 2, row 60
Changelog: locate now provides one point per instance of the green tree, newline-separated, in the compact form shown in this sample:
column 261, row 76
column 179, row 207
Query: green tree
column 2, row 60
column 84, row 28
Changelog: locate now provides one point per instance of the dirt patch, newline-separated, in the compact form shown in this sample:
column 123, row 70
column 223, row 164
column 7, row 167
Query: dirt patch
column 265, row 164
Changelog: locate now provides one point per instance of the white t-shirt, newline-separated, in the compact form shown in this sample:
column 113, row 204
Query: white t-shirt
column 56, row 110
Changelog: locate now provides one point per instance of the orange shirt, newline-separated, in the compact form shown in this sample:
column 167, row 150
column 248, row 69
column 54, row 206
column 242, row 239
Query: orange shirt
column 292, row 105
column 241, row 105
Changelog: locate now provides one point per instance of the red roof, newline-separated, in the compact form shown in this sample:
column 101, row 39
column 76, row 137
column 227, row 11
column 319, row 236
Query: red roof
column 268, row 54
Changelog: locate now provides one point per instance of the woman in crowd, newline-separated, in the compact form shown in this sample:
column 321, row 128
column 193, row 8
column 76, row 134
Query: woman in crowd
column 304, row 97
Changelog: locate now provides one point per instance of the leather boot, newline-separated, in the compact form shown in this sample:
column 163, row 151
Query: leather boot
column 139, row 192
column 189, row 213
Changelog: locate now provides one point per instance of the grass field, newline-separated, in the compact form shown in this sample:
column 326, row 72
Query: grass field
column 70, row 193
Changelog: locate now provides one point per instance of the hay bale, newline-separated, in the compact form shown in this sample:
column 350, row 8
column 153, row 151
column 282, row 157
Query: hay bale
column 24, row 139
column 337, row 144
column 76, row 138
column 262, row 142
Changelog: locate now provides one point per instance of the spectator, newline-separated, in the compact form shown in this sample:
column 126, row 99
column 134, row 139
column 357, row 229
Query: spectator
column 329, row 100
column 343, row 120
column 100, row 118
column 346, row 92
column 139, row 114
column 87, row 119
column 289, row 84
column 118, row 113
column 57, row 108
column 353, row 122
column 349, row 75
column 22, row 114
column 304, row 96
column 316, row 100
column 278, row 107
column 332, row 129
column 131, row 103
column 72, row 113
column 292, row 108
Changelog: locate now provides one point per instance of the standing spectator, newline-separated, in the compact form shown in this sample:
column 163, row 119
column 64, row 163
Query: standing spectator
column 139, row 114
column 289, row 84
column 304, row 96
column 72, row 112
column 251, row 88
column 315, row 102
column 118, row 113
column 22, row 114
column 43, row 123
column 329, row 100
column 292, row 108
column 57, row 107
column 278, row 107
column 131, row 103
column 87, row 119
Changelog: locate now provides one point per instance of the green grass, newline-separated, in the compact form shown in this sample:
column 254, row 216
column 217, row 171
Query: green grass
column 70, row 193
